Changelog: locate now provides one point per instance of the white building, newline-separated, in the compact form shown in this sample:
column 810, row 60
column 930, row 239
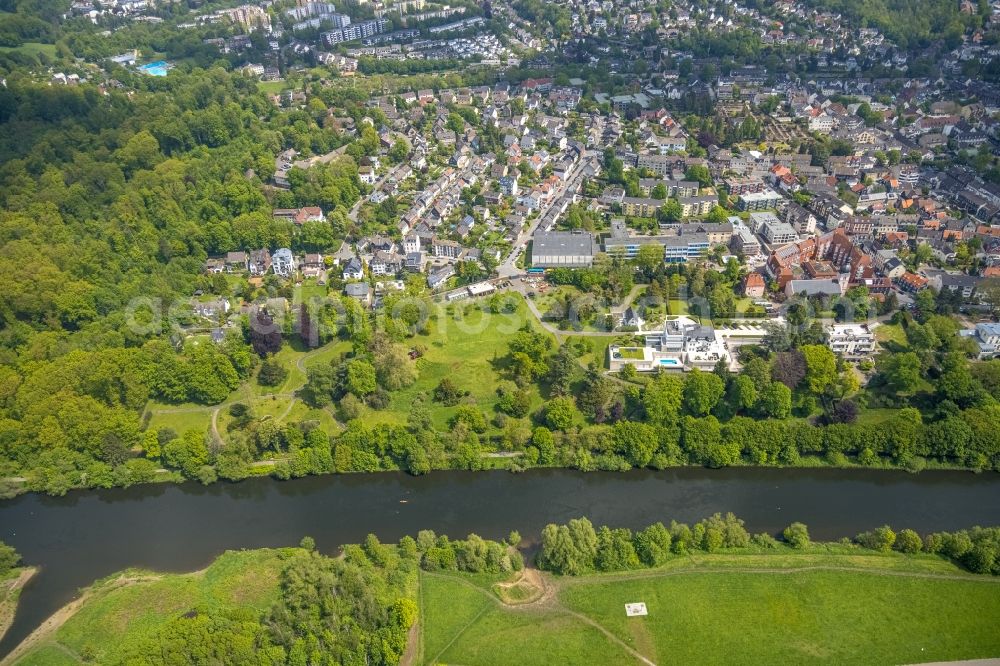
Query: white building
column 684, row 344
column 282, row 262
column 852, row 341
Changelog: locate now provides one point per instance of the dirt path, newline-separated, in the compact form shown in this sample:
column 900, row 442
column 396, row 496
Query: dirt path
column 215, row 428
column 548, row 601
column 411, row 653
column 8, row 603
column 659, row 573
column 48, row 628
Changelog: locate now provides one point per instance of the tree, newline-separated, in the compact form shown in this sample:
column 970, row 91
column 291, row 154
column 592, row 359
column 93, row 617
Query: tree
column 447, row 393
column 8, row 558
column 513, row 401
column 320, row 384
column 901, row 372
column 789, row 368
column 662, row 399
column 393, row 367
column 271, row 373
column 652, row 545
column 659, row 191
column 649, row 258
column 615, row 551
column 702, row 391
column 702, row 439
column 187, row 453
column 636, row 442
column 700, row 174
column 797, row 535
column 560, row 413
column 542, row 440
column 821, row 368
column 265, row 334
column 360, row 378
column 562, row 368
column 908, row 541
column 880, row 539
column 742, row 394
column 775, row 401
column 843, row 411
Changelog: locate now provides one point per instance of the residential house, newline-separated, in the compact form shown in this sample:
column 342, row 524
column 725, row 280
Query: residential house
column 259, row 262
column 282, row 262
column 754, row 285
column 359, row 291
column 353, row 269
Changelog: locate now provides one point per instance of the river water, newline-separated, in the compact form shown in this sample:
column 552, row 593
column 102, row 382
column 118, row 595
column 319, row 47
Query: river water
column 90, row 534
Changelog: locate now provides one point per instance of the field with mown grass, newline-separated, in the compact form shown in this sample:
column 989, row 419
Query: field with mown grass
column 830, row 604
column 131, row 605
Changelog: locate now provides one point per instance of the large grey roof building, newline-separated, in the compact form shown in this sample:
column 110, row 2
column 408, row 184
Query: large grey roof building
column 566, row 249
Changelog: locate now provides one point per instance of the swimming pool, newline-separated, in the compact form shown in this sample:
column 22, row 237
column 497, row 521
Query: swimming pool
column 158, row 68
column 669, row 361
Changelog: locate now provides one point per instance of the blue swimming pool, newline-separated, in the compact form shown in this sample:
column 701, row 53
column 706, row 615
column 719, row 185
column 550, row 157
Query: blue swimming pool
column 669, row 361
column 158, row 68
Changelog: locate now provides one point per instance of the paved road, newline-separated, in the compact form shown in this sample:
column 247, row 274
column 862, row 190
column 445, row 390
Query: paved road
column 356, row 208
column 548, row 216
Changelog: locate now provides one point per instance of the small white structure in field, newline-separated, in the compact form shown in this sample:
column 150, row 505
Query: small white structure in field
column 636, row 609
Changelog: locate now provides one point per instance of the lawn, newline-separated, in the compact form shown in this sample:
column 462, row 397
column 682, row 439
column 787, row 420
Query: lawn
column 890, row 333
column 464, row 625
column 32, row 48
column 120, row 611
column 465, row 344
column 180, row 418
column 831, row 604
column 272, row 87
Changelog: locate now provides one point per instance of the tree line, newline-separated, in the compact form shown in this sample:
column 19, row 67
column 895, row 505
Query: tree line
column 577, row 548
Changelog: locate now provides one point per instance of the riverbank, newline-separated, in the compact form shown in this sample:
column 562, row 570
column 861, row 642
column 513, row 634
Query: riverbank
column 129, row 606
column 89, row 535
column 10, row 592
column 829, row 603
column 507, row 461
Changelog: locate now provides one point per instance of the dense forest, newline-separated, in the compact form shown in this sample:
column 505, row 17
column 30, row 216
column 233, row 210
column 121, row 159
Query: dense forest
column 111, row 204
column 909, row 23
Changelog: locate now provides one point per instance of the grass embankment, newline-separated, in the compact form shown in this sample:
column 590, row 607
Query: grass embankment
column 10, row 591
column 129, row 606
column 831, row 604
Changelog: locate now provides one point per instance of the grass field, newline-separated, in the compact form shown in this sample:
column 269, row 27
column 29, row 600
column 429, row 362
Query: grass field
column 831, row 604
column 466, row 345
column 272, row 87
column 134, row 604
column 890, row 333
column 463, row 625
column 32, row 48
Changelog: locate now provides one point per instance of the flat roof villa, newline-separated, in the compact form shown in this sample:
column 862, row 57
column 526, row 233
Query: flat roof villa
column 682, row 345
column 987, row 336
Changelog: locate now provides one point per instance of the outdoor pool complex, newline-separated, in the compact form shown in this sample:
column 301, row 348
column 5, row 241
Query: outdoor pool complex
column 158, row 68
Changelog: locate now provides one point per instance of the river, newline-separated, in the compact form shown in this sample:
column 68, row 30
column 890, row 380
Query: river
column 87, row 535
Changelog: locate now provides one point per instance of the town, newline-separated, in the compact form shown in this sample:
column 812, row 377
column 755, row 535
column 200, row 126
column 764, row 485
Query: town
column 302, row 297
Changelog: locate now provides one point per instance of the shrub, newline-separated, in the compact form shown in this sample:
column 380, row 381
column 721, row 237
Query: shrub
column 797, row 535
